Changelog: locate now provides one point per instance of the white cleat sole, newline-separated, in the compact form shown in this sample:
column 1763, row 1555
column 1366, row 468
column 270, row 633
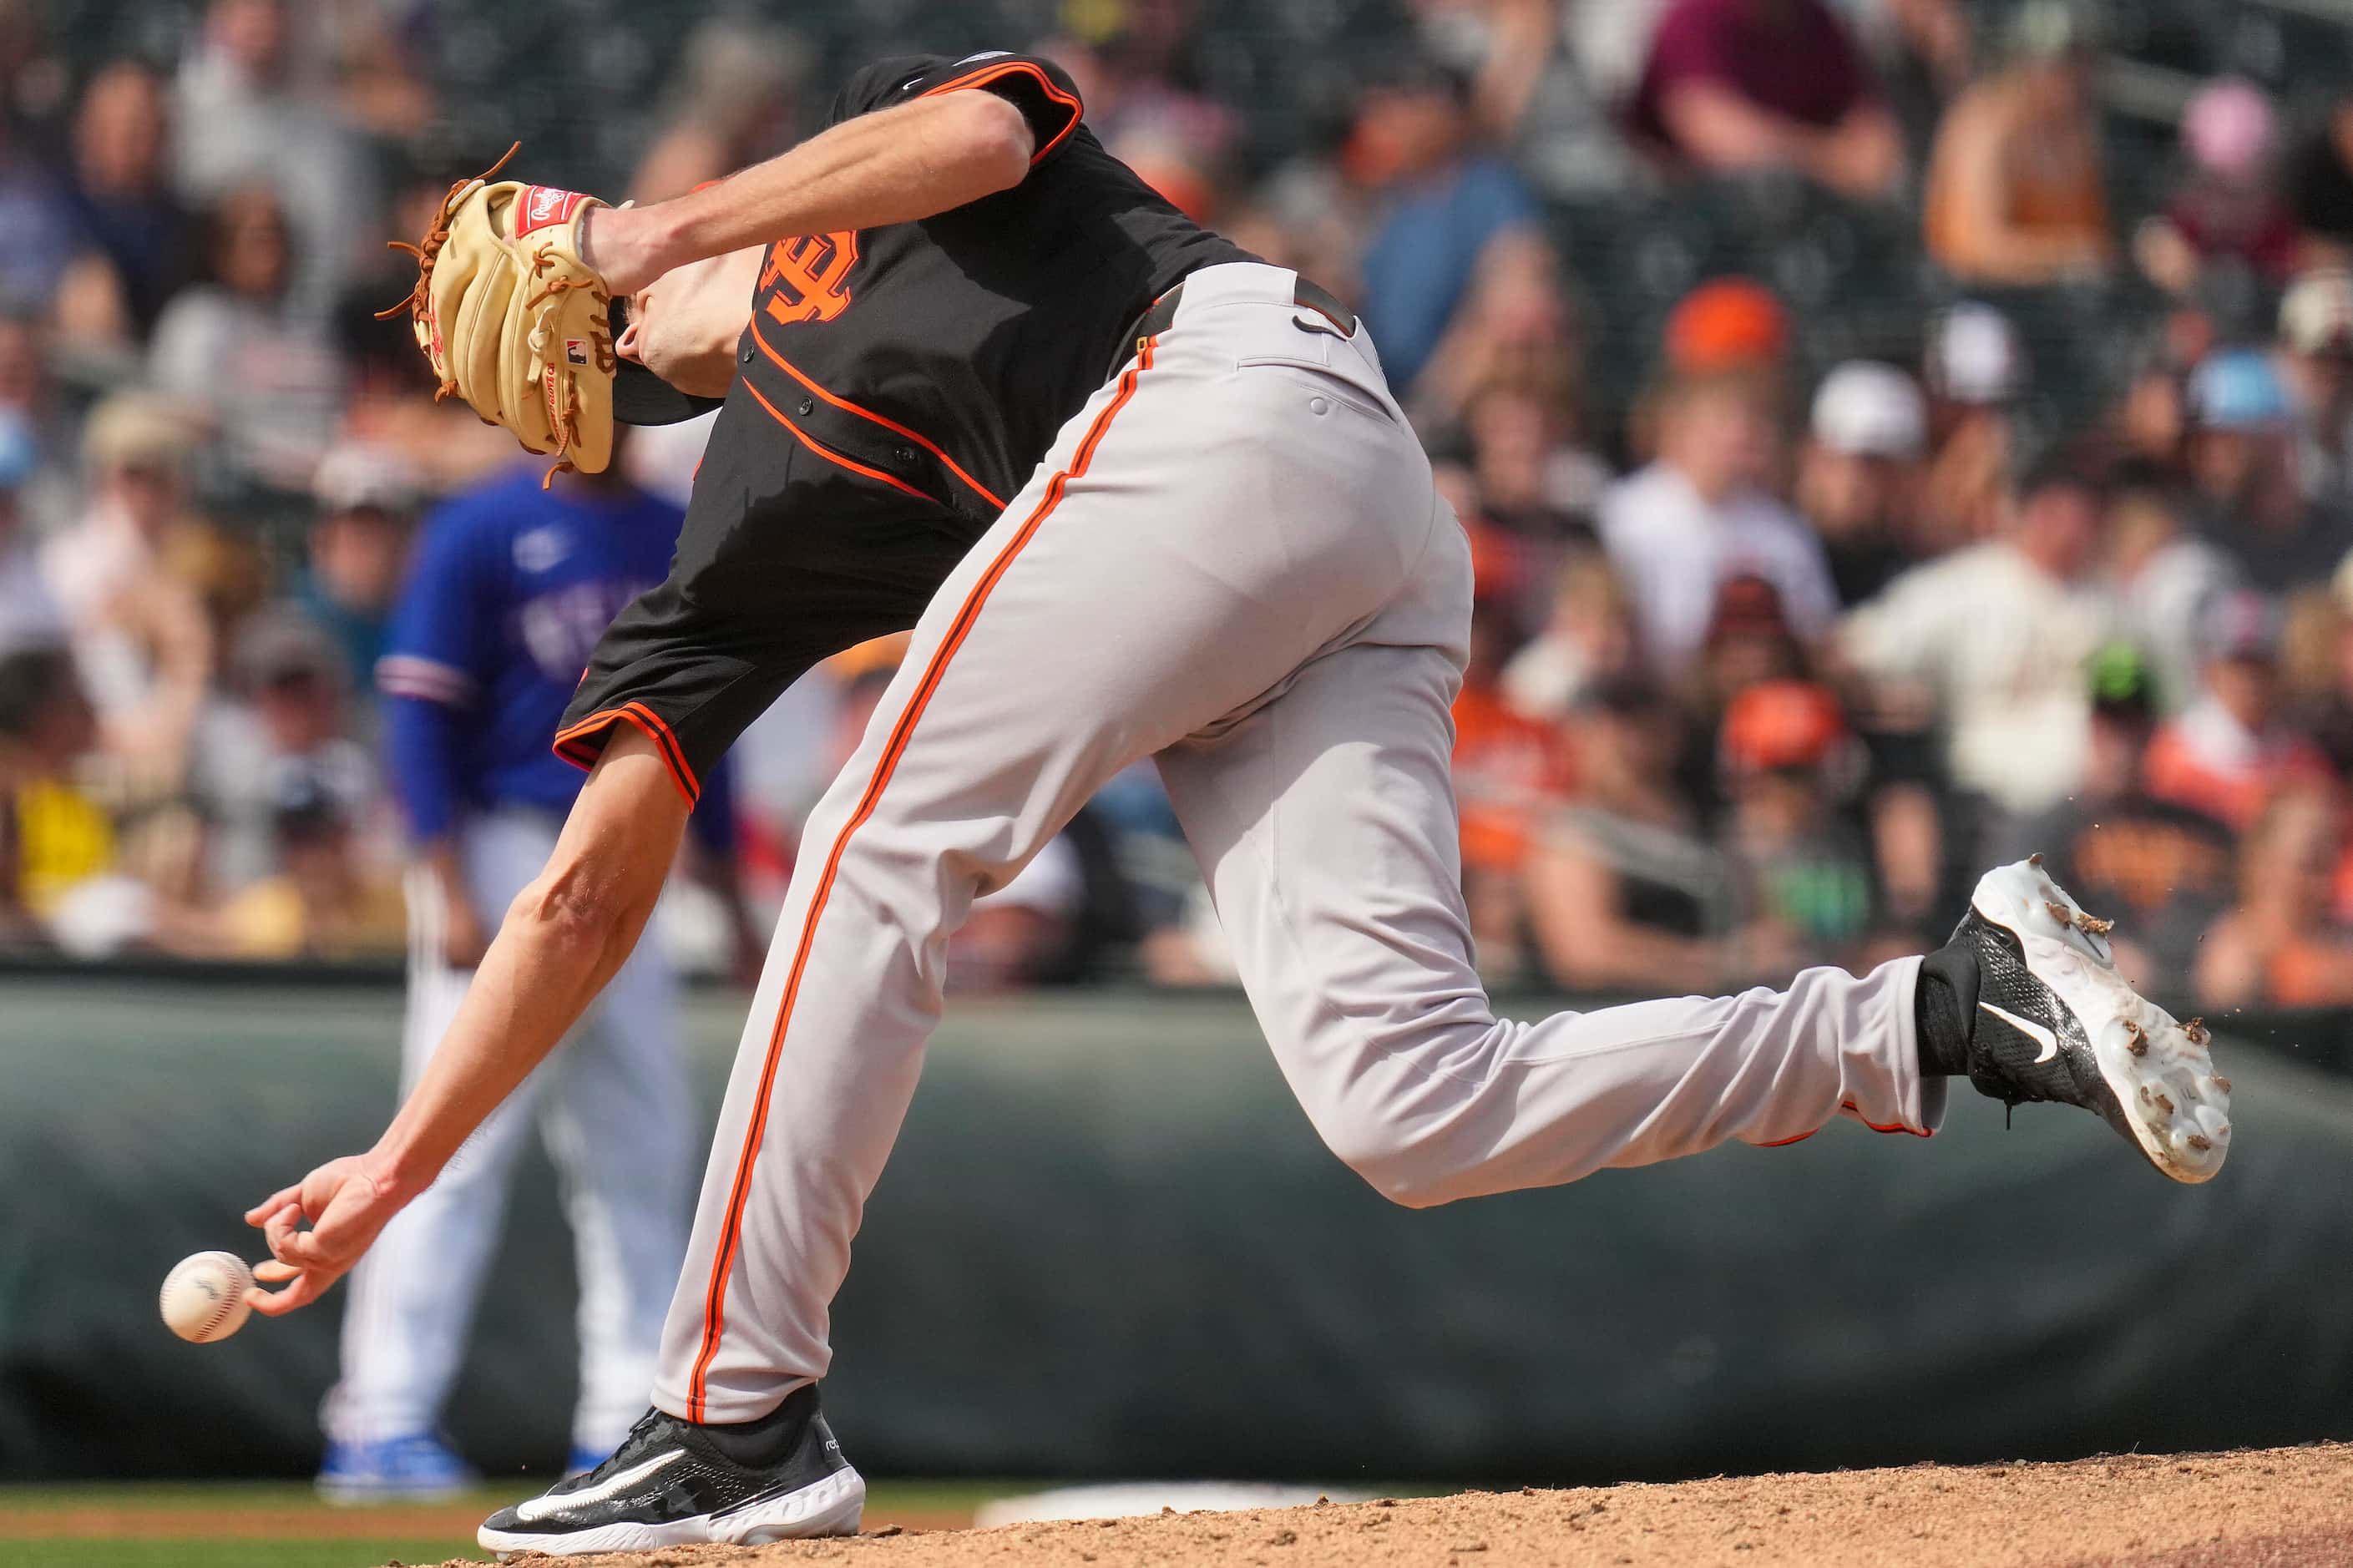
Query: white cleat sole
column 833, row 1506
column 2159, row 1068
column 830, row 1507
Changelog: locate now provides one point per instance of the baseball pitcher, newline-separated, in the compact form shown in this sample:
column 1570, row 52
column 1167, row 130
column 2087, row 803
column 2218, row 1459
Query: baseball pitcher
column 1139, row 494
column 511, row 590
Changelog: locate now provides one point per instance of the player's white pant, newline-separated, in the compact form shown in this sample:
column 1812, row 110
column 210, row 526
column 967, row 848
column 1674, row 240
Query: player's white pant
column 1234, row 558
column 614, row 1106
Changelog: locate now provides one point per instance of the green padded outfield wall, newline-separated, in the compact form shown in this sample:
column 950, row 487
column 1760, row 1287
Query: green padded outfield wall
column 1110, row 1245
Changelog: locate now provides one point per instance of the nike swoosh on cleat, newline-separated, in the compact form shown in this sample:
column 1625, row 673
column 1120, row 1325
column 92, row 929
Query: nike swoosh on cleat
column 2027, row 1027
column 605, row 1490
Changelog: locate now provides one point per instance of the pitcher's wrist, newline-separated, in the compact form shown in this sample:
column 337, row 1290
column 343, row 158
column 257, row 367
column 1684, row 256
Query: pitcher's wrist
column 398, row 1169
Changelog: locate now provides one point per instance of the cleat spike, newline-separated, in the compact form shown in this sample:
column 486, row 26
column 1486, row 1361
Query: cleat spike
column 2094, row 926
column 2165, row 1104
column 2196, row 1030
column 2222, row 1083
column 2199, row 1141
column 2060, row 912
column 2035, row 858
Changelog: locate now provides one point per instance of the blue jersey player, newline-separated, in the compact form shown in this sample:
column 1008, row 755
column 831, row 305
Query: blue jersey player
column 510, row 591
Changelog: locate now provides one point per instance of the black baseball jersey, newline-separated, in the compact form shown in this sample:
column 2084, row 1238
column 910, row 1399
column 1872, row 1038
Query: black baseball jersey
column 897, row 386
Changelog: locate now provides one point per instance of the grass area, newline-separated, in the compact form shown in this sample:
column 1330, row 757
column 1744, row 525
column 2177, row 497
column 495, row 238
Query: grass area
column 21, row 1502
column 282, row 1524
column 67, row 1552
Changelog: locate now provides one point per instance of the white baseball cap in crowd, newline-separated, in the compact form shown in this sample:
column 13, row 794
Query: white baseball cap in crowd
column 358, row 474
column 2316, row 313
column 1865, row 409
column 1974, row 355
column 137, row 430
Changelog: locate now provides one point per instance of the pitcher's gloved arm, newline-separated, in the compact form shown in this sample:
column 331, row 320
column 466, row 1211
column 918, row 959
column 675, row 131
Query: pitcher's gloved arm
column 894, row 165
column 563, row 939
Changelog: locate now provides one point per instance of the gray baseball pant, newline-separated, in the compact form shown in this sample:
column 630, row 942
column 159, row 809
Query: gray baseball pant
column 1232, row 561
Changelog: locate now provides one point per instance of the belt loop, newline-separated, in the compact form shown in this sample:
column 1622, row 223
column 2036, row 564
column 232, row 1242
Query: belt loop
column 1325, row 303
column 1156, row 319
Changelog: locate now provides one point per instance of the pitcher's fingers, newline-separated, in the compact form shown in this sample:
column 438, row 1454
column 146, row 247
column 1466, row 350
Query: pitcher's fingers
column 274, row 1271
column 301, row 1293
column 280, row 1232
column 303, row 1249
column 259, row 1213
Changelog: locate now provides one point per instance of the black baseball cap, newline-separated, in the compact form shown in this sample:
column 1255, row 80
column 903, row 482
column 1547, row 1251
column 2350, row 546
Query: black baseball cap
column 1413, row 72
column 304, row 806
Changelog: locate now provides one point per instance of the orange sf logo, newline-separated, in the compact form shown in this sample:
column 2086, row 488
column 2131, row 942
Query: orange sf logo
column 807, row 277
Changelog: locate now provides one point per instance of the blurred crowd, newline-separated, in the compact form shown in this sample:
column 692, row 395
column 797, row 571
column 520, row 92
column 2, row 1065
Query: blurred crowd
column 1768, row 659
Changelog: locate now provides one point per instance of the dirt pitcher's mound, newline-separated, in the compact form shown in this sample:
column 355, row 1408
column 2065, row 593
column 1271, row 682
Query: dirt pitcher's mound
column 2277, row 1508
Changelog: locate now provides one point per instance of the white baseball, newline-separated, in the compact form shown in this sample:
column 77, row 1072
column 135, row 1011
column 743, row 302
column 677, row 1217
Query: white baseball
column 203, row 1296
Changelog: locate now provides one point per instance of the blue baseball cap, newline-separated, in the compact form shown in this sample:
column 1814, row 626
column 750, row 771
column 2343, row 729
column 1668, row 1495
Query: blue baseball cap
column 2236, row 389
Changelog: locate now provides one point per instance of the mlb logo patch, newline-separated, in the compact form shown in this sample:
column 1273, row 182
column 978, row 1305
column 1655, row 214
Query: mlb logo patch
column 576, row 351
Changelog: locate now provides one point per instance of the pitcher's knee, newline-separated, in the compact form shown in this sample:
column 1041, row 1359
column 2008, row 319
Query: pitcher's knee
column 1402, row 1167
column 1409, row 1110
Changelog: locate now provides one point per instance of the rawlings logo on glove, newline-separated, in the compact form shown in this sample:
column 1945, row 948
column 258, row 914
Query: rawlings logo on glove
column 514, row 320
column 544, row 205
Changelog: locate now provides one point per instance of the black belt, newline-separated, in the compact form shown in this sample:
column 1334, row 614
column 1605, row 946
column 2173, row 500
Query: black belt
column 1163, row 314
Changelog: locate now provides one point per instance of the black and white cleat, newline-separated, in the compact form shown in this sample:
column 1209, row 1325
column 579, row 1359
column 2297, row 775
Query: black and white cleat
column 672, row 1483
column 2050, row 1019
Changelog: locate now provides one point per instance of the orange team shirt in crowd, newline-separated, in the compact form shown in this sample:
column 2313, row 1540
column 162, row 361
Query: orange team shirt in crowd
column 2148, row 860
column 2054, row 183
column 2309, row 972
column 1507, row 769
column 2341, row 888
column 2175, row 771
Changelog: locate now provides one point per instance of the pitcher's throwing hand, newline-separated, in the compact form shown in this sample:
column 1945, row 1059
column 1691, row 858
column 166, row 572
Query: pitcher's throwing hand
column 345, row 1204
